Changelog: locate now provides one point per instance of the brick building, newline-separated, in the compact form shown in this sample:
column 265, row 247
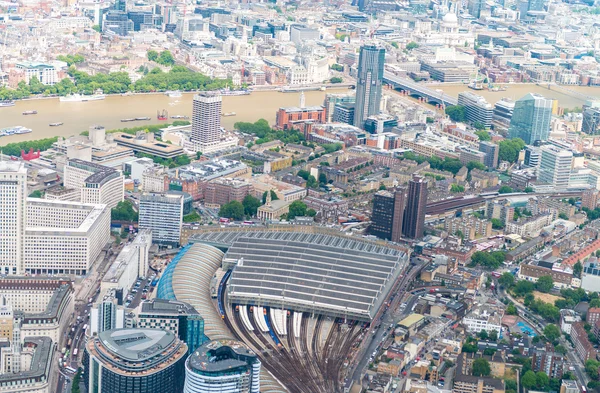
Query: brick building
column 287, row 116
column 221, row 191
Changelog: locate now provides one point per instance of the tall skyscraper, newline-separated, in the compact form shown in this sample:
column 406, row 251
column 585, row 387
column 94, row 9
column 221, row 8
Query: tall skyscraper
column 222, row 366
column 368, row 83
column 531, row 118
column 414, row 213
column 162, row 213
column 490, row 150
column 388, row 214
column 555, row 166
column 475, row 7
column 206, row 118
column 13, row 194
column 591, row 118
column 536, row 5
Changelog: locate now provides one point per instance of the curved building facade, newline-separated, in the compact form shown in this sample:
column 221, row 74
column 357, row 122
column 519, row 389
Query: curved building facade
column 222, row 366
column 134, row 361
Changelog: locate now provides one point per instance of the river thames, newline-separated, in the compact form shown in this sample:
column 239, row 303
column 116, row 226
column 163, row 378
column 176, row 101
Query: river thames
column 79, row 116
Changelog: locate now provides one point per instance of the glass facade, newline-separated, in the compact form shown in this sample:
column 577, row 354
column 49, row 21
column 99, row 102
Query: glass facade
column 368, row 83
column 165, row 285
column 531, row 119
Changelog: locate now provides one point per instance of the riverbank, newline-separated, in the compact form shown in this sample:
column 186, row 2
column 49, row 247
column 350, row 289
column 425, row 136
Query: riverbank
column 79, row 116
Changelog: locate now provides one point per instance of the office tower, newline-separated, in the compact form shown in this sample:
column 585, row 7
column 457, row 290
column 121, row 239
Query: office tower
column 96, row 183
column 414, row 213
column 591, row 118
column 344, row 113
column 536, row 5
column 330, row 102
column 531, row 118
column 13, row 194
column 477, row 109
column 117, row 22
column 222, row 366
column 163, row 214
column 388, row 214
column 368, row 83
column 173, row 316
column 533, row 155
column 589, row 199
column 107, row 315
column 301, row 34
column 490, row 150
column 555, row 166
column 502, row 114
column 475, row 7
column 134, row 361
column 206, row 118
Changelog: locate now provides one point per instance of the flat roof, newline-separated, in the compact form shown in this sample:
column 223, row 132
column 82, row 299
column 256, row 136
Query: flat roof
column 94, row 212
column 411, row 320
column 136, row 345
column 222, row 355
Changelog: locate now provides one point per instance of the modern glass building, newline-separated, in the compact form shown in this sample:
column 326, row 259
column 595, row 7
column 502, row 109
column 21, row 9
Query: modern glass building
column 177, row 317
column 222, row 366
column 414, row 213
column 591, row 118
column 477, row 109
column 388, row 214
column 134, row 361
column 368, row 83
column 531, row 118
column 555, row 166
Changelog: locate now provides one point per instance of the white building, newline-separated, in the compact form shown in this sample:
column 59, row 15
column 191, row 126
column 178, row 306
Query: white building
column 45, row 73
column 131, row 263
column 163, row 214
column 71, row 22
column 64, row 237
column 482, row 320
column 590, row 278
column 13, row 192
column 555, row 166
column 97, row 183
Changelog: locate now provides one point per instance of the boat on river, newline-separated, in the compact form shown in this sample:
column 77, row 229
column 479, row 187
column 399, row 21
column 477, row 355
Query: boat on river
column 14, row 131
column 6, row 103
column 29, row 113
column 58, row 123
column 82, row 98
column 173, row 93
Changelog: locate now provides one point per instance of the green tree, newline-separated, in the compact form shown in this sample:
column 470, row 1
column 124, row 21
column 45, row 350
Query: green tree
column 483, row 334
column 152, row 55
column 233, row 210
column 523, row 287
column 512, row 310
column 457, row 188
column 311, row 212
column 541, row 380
column 36, row 194
column 124, row 211
column 508, row 149
column 507, row 279
column 481, row 368
column 577, row 269
column 551, row 332
column 303, row 174
column 563, row 216
column 412, row 45
column 475, row 165
column 497, row 223
column 505, row 190
column 456, row 112
column 198, row 155
column 311, row 182
column 322, row 178
column 481, row 127
column 336, row 79
column 192, row 217
column 337, row 67
column 529, row 380
column 97, row 28
column 297, row 209
column 493, row 335
column 488, row 260
column 394, row 44
column 544, row 284
column 251, row 205
column 528, row 190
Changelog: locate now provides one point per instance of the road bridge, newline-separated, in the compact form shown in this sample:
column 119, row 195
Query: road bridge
column 418, row 89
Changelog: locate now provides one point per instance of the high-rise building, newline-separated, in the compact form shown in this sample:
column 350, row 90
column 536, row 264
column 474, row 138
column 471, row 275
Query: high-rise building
column 388, row 214
column 589, row 199
column 414, row 213
column 163, row 214
column 533, row 156
column 106, row 315
column 13, row 194
column 368, row 83
column 475, row 7
column 176, row 317
column 503, row 112
column 206, row 118
column 117, row 22
column 477, row 109
column 222, row 366
column 591, row 118
column 536, row 5
column 96, row 183
column 490, row 150
column 531, row 118
column 555, row 166
column 134, row 361
column 331, row 100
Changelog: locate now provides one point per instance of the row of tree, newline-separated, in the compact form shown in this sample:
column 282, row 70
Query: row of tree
column 263, row 131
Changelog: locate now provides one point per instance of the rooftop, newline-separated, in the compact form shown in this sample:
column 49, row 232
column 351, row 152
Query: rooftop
column 100, row 173
column 136, row 345
column 221, row 355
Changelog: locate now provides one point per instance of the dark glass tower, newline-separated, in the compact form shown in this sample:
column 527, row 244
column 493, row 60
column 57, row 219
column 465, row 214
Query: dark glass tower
column 388, row 214
column 414, row 213
column 368, row 83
